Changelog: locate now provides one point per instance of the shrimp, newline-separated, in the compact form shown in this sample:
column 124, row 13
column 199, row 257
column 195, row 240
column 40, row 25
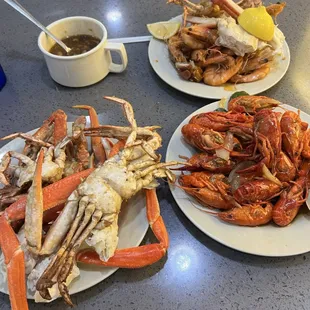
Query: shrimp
column 192, row 42
column 216, row 75
column 257, row 60
column 174, row 45
column 203, row 58
column 203, row 32
column 251, row 77
column 189, row 71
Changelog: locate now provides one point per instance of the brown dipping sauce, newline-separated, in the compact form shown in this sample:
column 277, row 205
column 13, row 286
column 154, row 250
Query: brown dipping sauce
column 79, row 44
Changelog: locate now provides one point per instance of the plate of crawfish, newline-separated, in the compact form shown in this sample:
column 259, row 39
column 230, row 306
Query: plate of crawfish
column 72, row 214
column 211, row 56
column 247, row 183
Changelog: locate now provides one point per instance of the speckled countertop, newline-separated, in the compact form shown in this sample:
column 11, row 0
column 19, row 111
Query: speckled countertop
column 215, row 276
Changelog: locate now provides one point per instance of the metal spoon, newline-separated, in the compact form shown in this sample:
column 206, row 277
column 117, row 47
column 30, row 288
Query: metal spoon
column 14, row 4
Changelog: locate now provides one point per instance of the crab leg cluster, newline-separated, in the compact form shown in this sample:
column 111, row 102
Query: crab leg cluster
column 91, row 210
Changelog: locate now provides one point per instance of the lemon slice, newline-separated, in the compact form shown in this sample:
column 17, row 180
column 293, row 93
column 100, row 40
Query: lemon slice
column 163, row 30
column 257, row 22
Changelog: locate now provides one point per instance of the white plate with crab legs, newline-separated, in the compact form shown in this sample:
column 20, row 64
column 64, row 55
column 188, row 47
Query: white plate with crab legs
column 267, row 240
column 160, row 61
column 133, row 226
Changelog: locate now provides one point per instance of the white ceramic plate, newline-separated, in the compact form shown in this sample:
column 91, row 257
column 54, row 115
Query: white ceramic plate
column 163, row 66
column 133, row 226
column 268, row 240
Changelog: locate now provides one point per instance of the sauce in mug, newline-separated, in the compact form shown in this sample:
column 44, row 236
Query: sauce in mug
column 79, row 44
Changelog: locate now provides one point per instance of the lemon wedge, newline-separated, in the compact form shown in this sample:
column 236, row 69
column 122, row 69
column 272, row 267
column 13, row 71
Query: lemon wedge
column 257, row 22
column 163, row 30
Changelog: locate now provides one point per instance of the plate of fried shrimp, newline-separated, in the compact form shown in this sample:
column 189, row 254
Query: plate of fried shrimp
column 212, row 56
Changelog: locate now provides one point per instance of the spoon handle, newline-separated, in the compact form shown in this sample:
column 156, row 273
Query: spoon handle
column 14, row 4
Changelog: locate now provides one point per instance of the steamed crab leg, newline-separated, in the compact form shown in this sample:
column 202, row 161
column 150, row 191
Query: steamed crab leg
column 54, row 128
column 53, row 195
column 119, row 132
column 15, row 262
column 80, row 141
column 96, row 142
column 229, row 6
column 5, row 162
column 26, row 137
column 136, row 257
column 34, row 210
column 117, row 147
column 96, row 203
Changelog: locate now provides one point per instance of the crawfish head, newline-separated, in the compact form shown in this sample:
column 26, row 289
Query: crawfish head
column 222, row 121
column 251, row 104
column 201, row 137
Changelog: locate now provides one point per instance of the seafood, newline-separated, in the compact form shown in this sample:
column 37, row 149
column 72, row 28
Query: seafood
column 189, row 71
column 248, row 215
column 174, row 44
column 204, row 8
column 222, row 121
column 292, row 137
column 78, row 157
column 95, row 141
column 203, row 58
column 64, row 155
column 245, row 4
column 306, row 145
column 202, row 161
column 252, row 104
column 53, row 130
column 287, row 207
column 216, row 75
column 255, row 75
column 209, row 189
column 212, row 44
column 206, row 139
column 119, row 178
column 284, row 168
column 268, row 132
column 90, row 213
column 257, row 190
column 268, row 174
column 257, row 60
column 17, row 178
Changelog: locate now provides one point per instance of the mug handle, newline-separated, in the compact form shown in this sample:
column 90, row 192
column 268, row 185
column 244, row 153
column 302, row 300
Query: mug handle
column 120, row 49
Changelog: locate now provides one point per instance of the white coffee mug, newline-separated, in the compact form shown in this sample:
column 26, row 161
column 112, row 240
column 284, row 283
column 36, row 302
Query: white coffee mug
column 84, row 69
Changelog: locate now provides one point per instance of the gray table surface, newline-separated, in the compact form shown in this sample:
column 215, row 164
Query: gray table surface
column 215, row 277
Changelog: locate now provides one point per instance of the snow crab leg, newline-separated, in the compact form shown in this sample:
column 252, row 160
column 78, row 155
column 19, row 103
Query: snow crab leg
column 91, row 212
column 141, row 256
column 53, row 195
column 34, row 209
column 96, row 142
column 54, row 129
